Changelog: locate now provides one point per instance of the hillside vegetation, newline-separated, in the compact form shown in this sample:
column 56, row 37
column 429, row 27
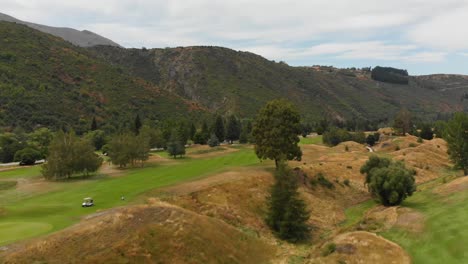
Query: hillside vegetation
column 225, row 80
column 45, row 81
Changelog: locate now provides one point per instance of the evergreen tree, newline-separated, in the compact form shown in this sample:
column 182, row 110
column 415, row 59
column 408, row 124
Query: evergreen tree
column 276, row 131
column 213, row 141
column 174, row 146
column 456, row 135
column 233, row 129
column 218, row 128
column 137, row 125
column 193, row 130
column 287, row 214
column 426, row 132
column 93, row 124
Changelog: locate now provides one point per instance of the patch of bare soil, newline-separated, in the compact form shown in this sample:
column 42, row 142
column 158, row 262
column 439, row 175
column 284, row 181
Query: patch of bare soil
column 457, row 185
column 157, row 233
column 363, row 247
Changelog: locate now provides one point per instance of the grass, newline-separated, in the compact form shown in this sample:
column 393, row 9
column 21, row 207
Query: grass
column 445, row 236
column 5, row 185
column 310, row 140
column 61, row 207
column 25, row 172
column 355, row 213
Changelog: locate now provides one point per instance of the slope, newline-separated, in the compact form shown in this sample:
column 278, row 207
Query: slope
column 83, row 38
column 231, row 81
column 45, row 81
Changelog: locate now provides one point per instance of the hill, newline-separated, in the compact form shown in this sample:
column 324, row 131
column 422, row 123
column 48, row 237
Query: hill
column 158, row 233
column 83, row 38
column 239, row 82
column 45, row 81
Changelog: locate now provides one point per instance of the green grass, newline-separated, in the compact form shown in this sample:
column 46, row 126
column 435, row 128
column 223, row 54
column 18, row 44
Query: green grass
column 445, row 237
column 311, row 140
column 25, row 172
column 355, row 213
column 5, row 185
column 61, row 208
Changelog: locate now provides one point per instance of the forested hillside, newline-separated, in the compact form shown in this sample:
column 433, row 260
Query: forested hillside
column 225, row 80
column 45, row 81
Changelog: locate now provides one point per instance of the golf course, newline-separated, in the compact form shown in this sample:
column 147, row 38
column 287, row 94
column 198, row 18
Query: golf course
column 54, row 206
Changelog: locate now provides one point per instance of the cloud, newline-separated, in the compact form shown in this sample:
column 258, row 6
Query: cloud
column 410, row 31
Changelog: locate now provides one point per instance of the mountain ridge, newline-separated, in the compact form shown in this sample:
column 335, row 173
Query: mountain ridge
column 83, row 38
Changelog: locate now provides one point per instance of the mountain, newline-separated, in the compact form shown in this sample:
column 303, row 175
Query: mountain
column 83, row 38
column 45, row 81
column 239, row 82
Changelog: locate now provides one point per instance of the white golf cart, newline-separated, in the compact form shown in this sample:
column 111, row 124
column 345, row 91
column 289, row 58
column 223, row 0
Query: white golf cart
column 87, row 202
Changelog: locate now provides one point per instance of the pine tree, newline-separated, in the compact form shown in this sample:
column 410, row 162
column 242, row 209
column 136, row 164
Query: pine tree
column 233, row 129
column 94, row 124
column 193, row 130
column 287, row 214
column 218, row 129
column 456, row 135
column 174, row 146
column 137, row 125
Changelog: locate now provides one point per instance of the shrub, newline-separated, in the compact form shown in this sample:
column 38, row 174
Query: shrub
column 388, row 182
column 346, row 182
column 329, row 249
column 397, row 148
column 346, row 148
column 27, row 156
column 412, row 145
column 213, row 141
column 420, row 140
column 322, row 180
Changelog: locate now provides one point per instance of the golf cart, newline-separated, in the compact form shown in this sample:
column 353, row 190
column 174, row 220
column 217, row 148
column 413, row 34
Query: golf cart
column 87, row 202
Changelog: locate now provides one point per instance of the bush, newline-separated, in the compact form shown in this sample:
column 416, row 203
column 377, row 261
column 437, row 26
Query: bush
column 329, row 249
column 213, row 141
column 322, row 180
column 346, row 182
column 420, row 140
column 27, row 156
column 412, row 145
column 388, row 182
column 370, row 140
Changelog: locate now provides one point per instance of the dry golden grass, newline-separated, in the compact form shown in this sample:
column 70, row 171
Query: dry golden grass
column 458, row 185
column 156, row 233
column 364, row 247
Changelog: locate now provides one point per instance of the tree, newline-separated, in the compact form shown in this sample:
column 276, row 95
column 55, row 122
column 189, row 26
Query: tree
column 426, row 132
column 213, row 141
column 93, row 124
column 137, row 124
column 97, row 138
column 456, row 135
column 287, row 214
column 193, row 130
column 9, row 144
column 403, row 121
column 218, row 128
column 233, row 129
column 68, row 155
column 154, row 136
column 27, row 156
column 174, row 146
column 370, row 140
column 127, row 148
column 388, row 182
column 276, row 131
column 40, row 139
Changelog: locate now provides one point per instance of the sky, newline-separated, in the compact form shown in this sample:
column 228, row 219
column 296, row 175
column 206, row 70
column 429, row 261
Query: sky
column 422, row 36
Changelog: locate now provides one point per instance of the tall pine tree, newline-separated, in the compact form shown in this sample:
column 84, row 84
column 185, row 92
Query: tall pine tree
column 218, row 129
column 287, row 213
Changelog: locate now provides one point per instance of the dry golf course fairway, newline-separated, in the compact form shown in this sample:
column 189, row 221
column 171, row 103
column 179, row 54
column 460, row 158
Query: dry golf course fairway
column 25, row 214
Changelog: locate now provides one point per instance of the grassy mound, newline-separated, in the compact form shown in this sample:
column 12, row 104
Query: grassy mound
column 158, row 233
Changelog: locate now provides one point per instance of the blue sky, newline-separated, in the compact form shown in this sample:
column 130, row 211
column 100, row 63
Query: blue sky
column 423, row 36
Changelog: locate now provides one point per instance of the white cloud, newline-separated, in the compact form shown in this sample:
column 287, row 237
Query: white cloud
column 423, row 30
